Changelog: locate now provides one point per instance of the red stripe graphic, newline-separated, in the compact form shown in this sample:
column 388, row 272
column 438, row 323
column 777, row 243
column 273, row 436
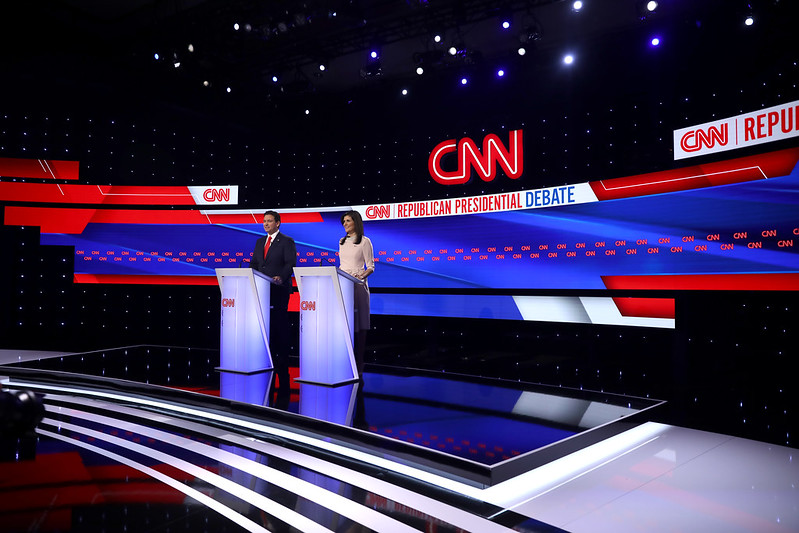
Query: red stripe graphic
column 706, row 282
column 74, row 220
column 144, row 279
column 67, row 193
column 762, row 166
column 39, row 168
column 646, row 307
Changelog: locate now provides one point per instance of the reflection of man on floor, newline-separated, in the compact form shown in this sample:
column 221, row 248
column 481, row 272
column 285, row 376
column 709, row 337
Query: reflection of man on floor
column 275, row 255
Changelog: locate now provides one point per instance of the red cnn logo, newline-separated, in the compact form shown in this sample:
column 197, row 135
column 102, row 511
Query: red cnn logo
column 217, row 195
column 228, row 302
column 694, row 140
column 469, row 156
column 307, row 305
column 378, row 211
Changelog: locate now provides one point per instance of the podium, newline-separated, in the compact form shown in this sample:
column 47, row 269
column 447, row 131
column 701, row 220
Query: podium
column 326, row 325
column 244, row 326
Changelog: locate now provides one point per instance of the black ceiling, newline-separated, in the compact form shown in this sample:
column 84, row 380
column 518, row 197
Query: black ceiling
column 108, row 46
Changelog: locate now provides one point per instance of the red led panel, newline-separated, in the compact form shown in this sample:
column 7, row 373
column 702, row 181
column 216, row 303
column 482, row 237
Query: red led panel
column 39, row 168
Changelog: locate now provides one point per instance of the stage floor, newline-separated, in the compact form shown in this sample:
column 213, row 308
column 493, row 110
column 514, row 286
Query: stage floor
column 153, row 439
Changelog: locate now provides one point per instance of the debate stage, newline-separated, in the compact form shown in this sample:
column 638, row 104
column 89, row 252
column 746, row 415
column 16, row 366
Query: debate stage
column 152, row 438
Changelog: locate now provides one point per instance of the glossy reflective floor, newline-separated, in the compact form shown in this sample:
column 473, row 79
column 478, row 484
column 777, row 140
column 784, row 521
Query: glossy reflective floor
column 237, row 453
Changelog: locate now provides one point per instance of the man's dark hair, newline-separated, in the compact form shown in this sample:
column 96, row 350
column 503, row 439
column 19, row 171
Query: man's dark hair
column 275, row 214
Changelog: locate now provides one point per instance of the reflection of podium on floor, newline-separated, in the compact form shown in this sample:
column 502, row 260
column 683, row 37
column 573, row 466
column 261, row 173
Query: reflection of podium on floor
column 326, row 325
column 244, row 327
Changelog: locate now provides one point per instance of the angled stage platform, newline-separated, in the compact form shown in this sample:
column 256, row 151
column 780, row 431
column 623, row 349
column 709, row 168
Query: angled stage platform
column 156, row 431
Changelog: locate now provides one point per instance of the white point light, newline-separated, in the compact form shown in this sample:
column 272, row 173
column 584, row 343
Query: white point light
column 651, row 5
column 577, row 5
column 568, row 59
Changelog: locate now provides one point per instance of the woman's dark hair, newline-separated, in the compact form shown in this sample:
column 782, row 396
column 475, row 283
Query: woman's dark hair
column 356, row 217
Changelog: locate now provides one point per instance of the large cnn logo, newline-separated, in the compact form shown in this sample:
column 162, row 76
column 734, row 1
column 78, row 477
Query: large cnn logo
column 695, row 140
column 510, row 159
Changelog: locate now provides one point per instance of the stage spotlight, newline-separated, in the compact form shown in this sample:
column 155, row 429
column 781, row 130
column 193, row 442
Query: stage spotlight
column 373, row 54
column 156, row 56
column 505, row 24
column 452, row 50
column 651, row 6
column 500, row 73
column 464, row 81
column 322, row 67
column 274, row 79
column 568, row 59
column 749, row 20
column 404, row 92
column 191, row 47
column 437, row 38
column 236, row 26
column 307, row 111
column 419, row 71
column 655, row 41
column 206, row 83
column 522, row 50
column 228, row 89
column 577, row 6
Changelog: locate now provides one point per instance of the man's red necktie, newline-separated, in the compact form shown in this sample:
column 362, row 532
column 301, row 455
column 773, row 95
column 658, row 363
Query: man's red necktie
column 266, row 246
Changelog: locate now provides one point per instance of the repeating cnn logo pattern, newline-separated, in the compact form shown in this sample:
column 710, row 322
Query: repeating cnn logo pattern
column 510, row 159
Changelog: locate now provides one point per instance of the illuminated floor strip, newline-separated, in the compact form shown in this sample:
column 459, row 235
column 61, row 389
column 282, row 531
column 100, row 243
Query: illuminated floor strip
column 345, row 507
column 319, row 443
column 225, row 511
column 319, row 495
column 286, row 515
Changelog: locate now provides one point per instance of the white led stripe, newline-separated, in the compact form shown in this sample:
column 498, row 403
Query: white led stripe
column 682, row 179
column 429, row 506
column 356, row 455
column 275, row 509
column 534, row 483
column 336, row 503
column 224, row 510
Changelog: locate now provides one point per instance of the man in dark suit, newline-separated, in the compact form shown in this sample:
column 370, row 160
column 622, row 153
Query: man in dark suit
column 275, row 255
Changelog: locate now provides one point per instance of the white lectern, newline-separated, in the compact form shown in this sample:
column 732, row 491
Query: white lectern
column 326, row 325
column 244, row 327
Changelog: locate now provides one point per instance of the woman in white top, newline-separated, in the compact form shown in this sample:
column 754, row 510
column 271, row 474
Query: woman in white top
column 356, row 258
